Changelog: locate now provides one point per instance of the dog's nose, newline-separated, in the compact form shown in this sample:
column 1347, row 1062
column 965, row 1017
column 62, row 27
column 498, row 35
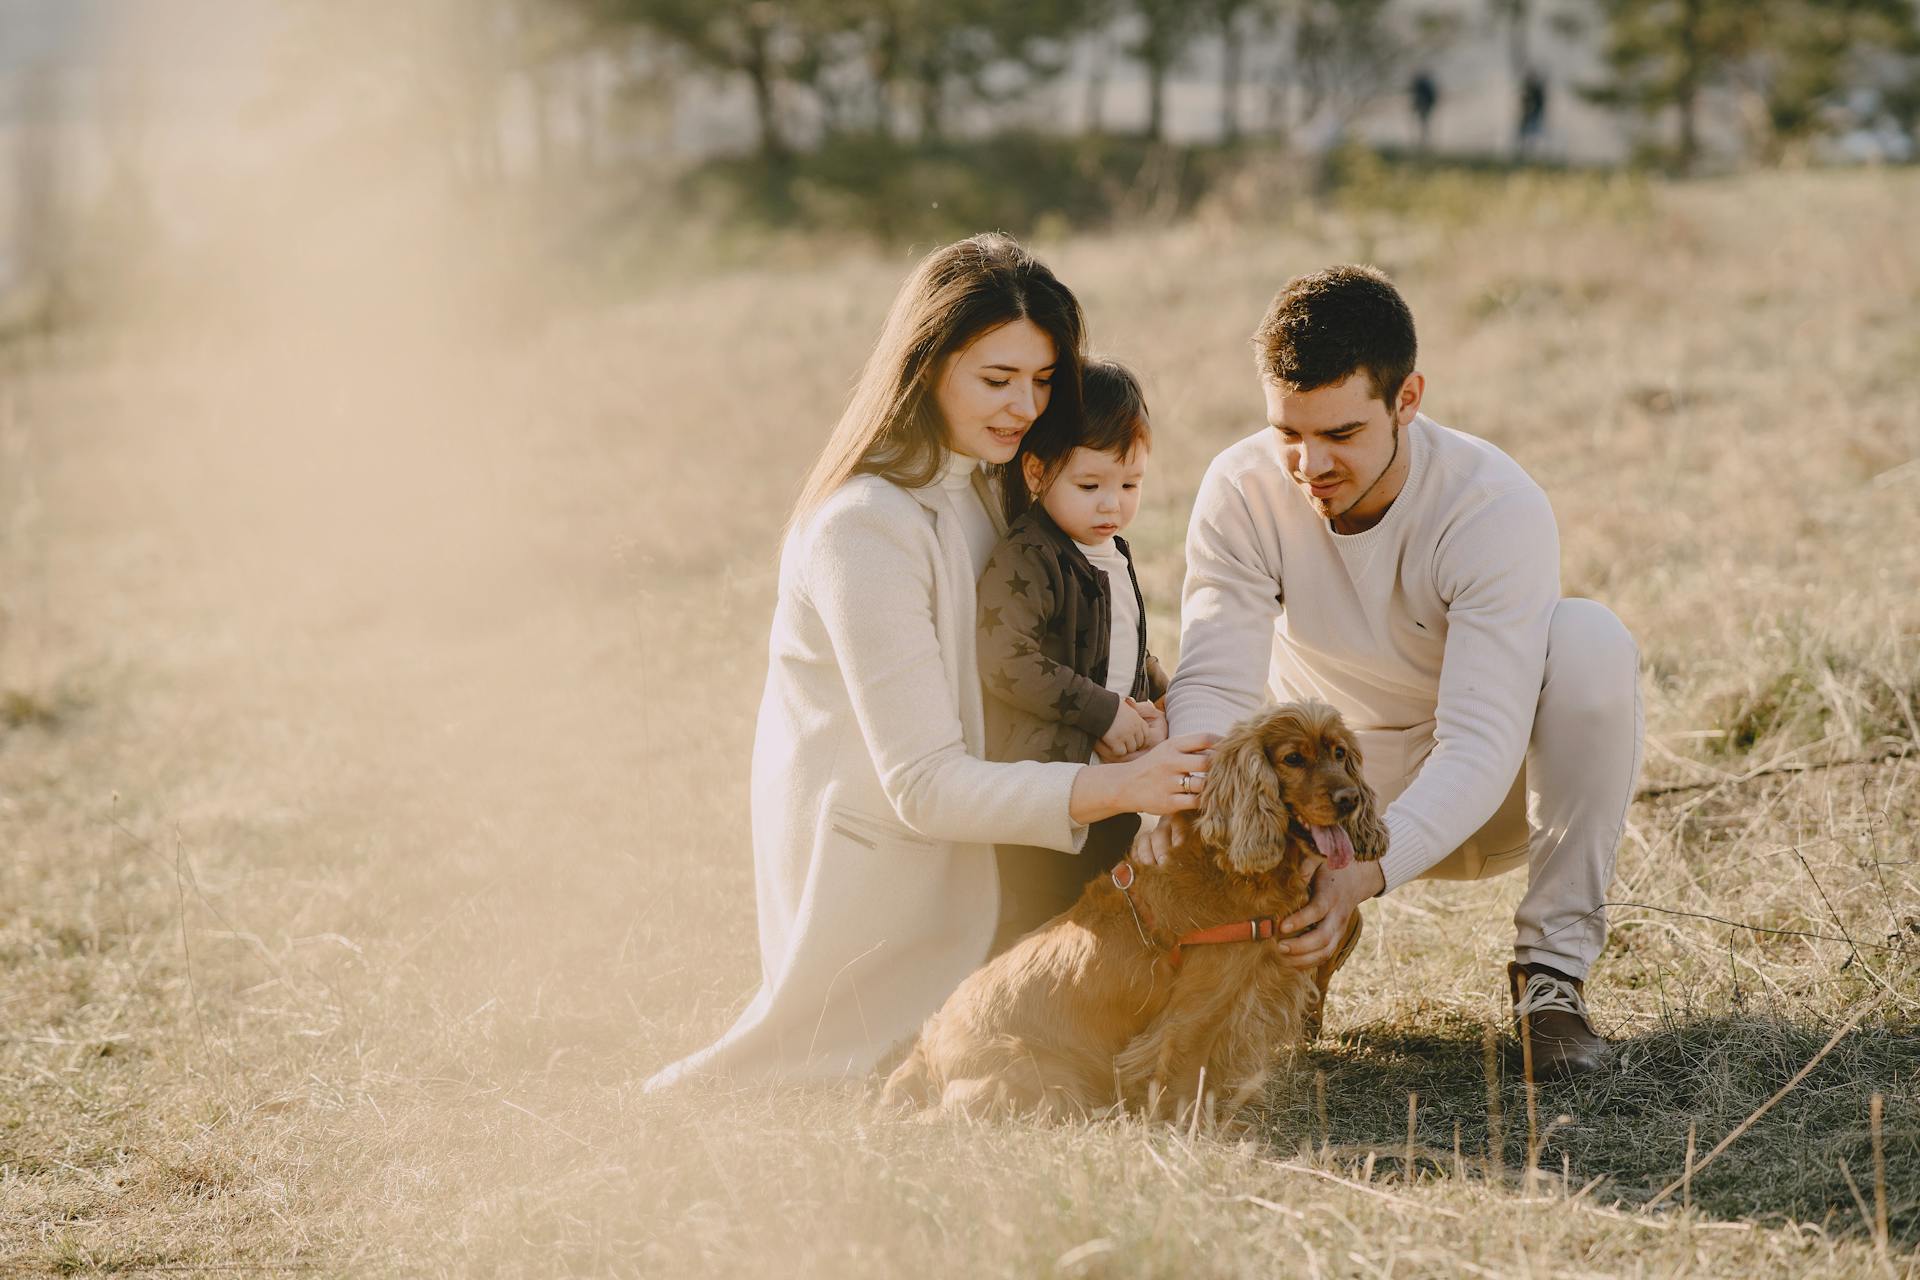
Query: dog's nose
column 1345, row 799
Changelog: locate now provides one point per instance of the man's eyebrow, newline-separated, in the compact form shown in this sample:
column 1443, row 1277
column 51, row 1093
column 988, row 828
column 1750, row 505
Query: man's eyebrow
column 1345, row 426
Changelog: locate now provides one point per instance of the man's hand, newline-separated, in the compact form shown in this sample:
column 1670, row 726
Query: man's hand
column 1155, row 844
column 1335, row 896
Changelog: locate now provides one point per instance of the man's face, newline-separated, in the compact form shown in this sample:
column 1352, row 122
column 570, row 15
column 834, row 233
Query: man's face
column 1342, row 446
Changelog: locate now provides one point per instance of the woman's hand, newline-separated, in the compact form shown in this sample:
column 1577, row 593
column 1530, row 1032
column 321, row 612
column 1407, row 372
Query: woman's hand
column 1165, row 780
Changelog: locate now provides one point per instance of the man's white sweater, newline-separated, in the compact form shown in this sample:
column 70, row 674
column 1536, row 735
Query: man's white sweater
column 1437, row 615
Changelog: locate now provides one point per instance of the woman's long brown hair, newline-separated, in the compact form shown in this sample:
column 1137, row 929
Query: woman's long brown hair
column 892, row 426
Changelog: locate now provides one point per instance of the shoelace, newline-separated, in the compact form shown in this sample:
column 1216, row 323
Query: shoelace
column 1544, row 992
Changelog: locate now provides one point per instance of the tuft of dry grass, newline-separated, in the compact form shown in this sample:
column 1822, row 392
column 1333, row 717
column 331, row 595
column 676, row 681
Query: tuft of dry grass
column 402, row 832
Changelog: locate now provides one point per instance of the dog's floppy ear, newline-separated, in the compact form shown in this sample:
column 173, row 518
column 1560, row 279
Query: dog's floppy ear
column 1364, row 827
column 1242, row 814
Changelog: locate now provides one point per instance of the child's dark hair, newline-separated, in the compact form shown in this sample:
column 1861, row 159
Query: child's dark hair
column 1113, row 419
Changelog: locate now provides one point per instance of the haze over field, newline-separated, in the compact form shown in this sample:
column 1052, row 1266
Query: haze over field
column 383, row 614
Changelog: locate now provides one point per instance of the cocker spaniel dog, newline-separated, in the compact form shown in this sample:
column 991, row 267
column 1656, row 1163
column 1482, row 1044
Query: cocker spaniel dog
column 1164, row 981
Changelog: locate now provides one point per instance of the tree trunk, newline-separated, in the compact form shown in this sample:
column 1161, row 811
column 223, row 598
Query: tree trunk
column 540, row 101
column 39, row 224
column 1519, row 27
column 587, row 81
column 1689, row 130
column 883, row 65
column 1230, row 64
column 759, row 68
column 1687, row 89
column 1096, row 85
column 1156, row 100
column 931, row 102
column 1279, row 81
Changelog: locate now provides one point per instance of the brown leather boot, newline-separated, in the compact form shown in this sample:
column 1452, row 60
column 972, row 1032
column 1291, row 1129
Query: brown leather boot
column 1552, row 1008
column 1323, row 975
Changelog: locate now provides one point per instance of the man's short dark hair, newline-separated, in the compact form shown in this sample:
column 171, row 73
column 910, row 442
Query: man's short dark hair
column 1325, row 327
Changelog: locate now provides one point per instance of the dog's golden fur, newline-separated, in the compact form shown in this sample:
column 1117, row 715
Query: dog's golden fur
column 1080, row 1014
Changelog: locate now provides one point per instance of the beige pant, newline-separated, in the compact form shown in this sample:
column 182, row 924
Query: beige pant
column 1563, row 816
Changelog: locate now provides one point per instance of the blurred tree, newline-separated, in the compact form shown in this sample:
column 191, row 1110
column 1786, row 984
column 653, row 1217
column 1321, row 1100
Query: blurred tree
column 864, row 63
column 1279, row 79
column 1899, row 94
column 419, row 69
column 554, row 54
column 936, row 55
column 1820, row 52
column 1517, row 17
column 1235, row 22
column 1096, row 21
column 763, row 42
column 918, row 46
column 41, row 238
column 1663, row 53
column 1349, row 53
column 497, row 89
column 1162, row 31
column 1794, row 60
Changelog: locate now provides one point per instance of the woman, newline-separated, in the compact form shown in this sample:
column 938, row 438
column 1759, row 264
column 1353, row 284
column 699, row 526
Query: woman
column 874, row 816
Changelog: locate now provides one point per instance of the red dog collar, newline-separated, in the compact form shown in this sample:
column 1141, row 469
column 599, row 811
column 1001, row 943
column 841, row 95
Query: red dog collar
column 1258, row 929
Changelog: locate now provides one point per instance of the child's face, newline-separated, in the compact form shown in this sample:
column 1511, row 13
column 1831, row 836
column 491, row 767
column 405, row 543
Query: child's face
column 1095, row 495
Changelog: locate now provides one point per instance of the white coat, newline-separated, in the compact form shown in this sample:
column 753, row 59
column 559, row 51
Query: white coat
column 874, row 815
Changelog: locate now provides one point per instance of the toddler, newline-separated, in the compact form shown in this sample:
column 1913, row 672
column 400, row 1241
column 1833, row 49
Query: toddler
column 1063, row 629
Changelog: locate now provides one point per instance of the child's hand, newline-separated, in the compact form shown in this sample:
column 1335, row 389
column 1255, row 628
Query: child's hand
column 1127, row 734
column 1156, row 722
column 1156, row 719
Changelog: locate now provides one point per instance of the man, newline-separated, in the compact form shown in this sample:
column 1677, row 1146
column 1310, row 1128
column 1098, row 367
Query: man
column 1357, row 552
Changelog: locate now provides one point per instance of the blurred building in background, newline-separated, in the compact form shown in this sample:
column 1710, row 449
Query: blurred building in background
column 114, row 112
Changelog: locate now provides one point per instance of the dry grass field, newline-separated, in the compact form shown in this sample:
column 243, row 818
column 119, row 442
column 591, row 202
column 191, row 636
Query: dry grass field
column 377, row 682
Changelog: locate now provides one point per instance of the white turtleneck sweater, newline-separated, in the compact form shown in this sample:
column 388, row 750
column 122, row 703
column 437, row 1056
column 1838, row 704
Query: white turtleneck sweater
column 1123, row 644
column 1429, row 627
column 962, row 497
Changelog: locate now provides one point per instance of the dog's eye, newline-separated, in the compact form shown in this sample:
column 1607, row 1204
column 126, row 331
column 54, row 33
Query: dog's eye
column 1295, row 760
column 1339, row 753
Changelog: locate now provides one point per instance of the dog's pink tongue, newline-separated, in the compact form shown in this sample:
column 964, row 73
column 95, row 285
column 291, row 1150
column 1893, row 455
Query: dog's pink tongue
column 1333, row 844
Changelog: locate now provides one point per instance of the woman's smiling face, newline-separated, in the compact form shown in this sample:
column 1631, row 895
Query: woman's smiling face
column 991, row 390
